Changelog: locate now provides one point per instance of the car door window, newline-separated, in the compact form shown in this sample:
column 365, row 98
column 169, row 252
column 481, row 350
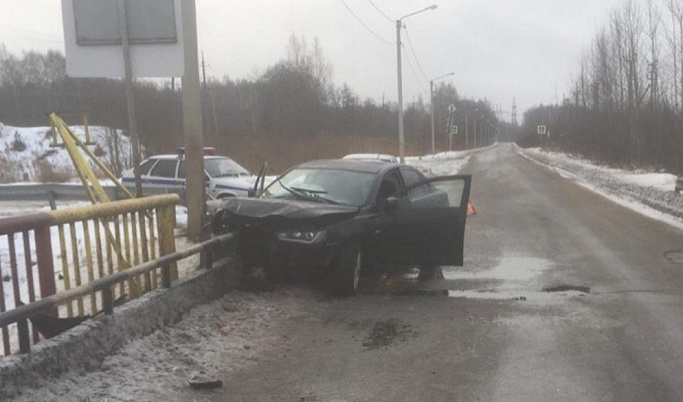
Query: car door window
column 450, row 191
column 389, row 187
column 411, row 178
column 165, row 168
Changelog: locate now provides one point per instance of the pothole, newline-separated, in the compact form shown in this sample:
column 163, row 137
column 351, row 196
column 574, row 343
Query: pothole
column 567, row 288
column 674, row 256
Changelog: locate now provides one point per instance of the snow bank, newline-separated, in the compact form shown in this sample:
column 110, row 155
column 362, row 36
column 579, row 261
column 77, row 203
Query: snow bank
column 649, row 193
column 27, row 154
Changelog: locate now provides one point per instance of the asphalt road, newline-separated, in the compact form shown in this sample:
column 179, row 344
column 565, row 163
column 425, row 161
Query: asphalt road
column 611, row 331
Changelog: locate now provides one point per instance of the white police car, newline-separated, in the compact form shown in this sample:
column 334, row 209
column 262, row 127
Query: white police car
column 166, row 173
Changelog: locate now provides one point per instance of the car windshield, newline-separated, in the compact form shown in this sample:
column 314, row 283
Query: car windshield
column 224, row 167
column 344, row 187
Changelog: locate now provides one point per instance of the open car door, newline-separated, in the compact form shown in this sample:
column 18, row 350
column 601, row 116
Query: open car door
column 429, row 228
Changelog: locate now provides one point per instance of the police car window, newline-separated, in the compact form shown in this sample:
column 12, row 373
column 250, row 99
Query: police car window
column 165, row 168
column 146, row 165
column 181, row 170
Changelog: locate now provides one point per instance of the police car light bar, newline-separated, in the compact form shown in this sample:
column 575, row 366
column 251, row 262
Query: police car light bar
column 180, row 151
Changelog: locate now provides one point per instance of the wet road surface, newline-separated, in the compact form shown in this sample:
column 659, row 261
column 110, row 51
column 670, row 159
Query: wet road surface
column 564, row 296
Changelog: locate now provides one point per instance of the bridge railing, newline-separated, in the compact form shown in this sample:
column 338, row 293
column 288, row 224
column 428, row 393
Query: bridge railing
column 77, row 262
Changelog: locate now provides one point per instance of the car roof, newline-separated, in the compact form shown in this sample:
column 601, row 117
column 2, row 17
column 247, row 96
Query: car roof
column 372, row 157
column 348, row 164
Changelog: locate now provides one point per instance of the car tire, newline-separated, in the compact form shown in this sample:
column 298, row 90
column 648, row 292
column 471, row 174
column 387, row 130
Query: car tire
column 430, row 272
column 348, row 270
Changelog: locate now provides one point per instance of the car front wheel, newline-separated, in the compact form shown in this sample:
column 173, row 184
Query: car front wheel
column 347, row 268
column 430, row 272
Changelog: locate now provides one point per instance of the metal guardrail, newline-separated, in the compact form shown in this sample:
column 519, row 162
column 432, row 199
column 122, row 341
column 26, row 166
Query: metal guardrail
column 21, row 314
column 68, row 192
column 92, row 243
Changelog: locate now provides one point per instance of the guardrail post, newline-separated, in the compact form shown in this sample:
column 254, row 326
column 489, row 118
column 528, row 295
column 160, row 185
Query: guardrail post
column 52, row 199
column 208, row 257
column 46, row 270
column 24, row 338
column 166, row 276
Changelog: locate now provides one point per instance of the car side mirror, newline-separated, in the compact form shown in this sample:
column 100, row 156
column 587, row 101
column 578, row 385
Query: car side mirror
column 391, row 204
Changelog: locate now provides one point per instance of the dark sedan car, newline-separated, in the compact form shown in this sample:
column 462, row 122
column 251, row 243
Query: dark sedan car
column 344, row 218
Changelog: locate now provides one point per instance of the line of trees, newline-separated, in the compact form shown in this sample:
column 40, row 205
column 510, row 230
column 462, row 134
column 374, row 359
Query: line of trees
column 626, row 106
column 292, row 101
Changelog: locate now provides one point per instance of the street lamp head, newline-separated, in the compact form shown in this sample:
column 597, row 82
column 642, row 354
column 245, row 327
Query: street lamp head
column 432, row 7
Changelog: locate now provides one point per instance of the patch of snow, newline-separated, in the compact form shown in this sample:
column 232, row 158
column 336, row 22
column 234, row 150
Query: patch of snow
column 231, row 331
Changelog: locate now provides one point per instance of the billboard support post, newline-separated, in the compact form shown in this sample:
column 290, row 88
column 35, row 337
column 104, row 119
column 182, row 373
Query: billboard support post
column 130, row 96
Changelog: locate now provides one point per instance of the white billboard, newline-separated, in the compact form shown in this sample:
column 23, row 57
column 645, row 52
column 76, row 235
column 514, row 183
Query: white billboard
column 93, row 40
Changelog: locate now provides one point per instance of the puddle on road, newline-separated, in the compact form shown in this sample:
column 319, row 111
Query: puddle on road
column 674, row 256
column 510, row 269
column 515, row 278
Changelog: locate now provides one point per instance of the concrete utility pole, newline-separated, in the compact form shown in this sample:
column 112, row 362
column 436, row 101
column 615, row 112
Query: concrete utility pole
column 401, row 136
column 195, row 196
column 431, row 103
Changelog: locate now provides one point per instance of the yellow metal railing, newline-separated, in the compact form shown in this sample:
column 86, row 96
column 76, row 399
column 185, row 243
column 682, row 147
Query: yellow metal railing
column 92, row 242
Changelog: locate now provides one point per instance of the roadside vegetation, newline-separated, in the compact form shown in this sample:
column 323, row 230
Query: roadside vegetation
column 626, row 106
column 289, row 113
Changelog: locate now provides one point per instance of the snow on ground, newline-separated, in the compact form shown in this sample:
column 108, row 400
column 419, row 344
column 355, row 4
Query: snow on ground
column 225, row 335
column 230, row 333
column 441, row 164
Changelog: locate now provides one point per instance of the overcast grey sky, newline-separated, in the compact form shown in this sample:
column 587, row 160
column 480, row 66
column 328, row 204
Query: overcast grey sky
column 498, row 49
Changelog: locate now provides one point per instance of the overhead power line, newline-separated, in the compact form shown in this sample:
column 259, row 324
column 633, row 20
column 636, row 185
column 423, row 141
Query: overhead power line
column 412, row 49
column 412, row 70
column 381, row 12
column 364, row 25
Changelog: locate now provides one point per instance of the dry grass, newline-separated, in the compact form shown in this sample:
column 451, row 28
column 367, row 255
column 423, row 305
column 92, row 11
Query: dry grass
column 252, row 151
column 47, row 173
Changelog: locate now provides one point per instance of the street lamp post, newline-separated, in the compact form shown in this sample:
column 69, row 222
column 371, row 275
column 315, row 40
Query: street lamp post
column 431, row 97
column 467, row 127
column 475, row 129
column 448, row 127
column 401, row 137
column 475, row 132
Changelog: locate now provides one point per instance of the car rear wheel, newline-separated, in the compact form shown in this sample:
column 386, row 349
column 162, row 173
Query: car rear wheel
column 348, row 269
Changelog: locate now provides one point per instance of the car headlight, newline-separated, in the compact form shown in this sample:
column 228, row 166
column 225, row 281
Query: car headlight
column 303, row 236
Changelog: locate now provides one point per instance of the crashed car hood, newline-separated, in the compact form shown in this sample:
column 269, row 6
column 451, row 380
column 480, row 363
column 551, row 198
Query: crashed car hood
column 282, row 212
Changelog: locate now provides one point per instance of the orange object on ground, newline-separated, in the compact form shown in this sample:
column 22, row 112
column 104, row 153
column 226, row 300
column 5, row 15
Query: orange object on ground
column 470, row 209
